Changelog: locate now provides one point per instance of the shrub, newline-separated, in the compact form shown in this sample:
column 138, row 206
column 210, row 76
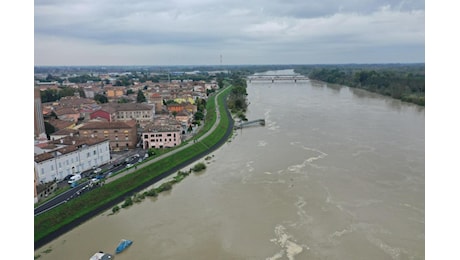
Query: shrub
column 199, row 167
column 151, row 193
column 128, row 202
column 164, row 186
column 115, row 209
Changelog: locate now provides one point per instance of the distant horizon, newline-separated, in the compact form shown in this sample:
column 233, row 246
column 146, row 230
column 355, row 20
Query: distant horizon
column 224, row 65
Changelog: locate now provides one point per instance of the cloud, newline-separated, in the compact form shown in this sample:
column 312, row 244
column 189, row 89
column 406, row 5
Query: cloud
column 249, row 31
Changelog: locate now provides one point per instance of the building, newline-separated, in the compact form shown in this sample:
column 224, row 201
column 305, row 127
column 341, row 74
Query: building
column 39, row 122
column 114, row 92
column 121, row 135
column 141, row 113
column 161, row 136
column 67, row 114
column 57, row 159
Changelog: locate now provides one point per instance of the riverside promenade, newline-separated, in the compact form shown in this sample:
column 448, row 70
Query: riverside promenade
column 151, row 161
column 62, row 230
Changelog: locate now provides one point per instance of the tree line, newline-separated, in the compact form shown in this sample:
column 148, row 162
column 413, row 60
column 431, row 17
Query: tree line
column 406, row 83
column 237, row 102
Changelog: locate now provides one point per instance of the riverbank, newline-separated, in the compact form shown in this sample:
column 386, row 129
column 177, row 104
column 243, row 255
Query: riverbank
column 52, row 224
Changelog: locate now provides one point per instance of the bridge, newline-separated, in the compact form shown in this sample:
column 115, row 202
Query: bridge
column 250, row 123
column 273, row 78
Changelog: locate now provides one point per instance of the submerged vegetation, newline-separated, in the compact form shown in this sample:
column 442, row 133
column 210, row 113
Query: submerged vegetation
column 153, row 192
column 106, row 196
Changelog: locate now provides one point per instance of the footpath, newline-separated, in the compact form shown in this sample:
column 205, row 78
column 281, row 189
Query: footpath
column 50, row 237
column 151, row 161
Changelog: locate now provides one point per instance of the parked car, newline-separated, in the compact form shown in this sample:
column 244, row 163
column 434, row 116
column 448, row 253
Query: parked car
column 128, row 165
column 66, row 178
column 74, row 179
column 98, row 170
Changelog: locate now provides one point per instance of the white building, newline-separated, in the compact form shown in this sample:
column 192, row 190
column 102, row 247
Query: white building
column 70, row 155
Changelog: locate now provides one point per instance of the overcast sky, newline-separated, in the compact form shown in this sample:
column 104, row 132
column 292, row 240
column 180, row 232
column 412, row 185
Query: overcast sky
column 208, row 32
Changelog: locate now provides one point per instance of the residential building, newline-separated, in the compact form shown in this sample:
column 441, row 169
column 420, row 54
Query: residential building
column 122, row 135
column 141, row 113
column 69, row 155
column 67, row 114
column 114, row 92
column 161, row 136
column 63, row 133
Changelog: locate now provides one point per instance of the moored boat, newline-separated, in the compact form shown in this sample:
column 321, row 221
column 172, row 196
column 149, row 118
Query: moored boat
column 124, row 243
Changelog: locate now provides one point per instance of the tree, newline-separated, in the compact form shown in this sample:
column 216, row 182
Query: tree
column 199, row 115
column 101, row 98
column 49, row 129
column 129, row 92
column 140, row 97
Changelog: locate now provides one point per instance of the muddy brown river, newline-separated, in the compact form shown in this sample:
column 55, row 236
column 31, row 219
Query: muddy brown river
column 335, row 173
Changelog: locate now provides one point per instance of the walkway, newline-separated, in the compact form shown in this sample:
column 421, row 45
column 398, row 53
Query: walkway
column 148, row 162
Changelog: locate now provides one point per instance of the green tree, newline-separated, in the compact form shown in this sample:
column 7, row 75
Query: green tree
column 140, row 97
column 49, row 129
column 198, row 116
column 101, row 98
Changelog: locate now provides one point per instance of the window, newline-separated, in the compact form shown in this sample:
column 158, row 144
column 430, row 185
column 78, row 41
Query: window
column 87, row 155
column 94, row 152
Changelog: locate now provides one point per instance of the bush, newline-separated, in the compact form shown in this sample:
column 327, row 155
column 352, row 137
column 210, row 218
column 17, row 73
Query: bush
column 199, row 167
column 164, row 186
column 128, row 202
column 115, row 209
column 151, row 193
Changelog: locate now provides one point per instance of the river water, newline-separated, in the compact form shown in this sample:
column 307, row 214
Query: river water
column 336, row 173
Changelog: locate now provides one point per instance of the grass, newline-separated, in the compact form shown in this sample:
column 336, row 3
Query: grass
column 54, row 219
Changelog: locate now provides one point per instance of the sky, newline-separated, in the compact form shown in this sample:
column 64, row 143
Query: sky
column 45, row 32
column 214, row 32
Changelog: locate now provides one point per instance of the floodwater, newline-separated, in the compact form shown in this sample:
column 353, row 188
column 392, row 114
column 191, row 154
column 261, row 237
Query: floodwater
column 335, row 173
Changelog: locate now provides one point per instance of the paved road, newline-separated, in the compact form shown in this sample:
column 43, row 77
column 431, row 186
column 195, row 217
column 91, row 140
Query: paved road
column 88, row 216
column 145, row 164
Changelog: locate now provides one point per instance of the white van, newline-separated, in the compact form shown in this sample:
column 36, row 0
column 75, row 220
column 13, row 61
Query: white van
column 74, row 178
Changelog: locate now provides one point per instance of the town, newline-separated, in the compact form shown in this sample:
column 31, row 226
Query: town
column 83, row 121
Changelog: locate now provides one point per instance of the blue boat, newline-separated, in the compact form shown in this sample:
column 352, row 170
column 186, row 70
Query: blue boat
column 124, row 243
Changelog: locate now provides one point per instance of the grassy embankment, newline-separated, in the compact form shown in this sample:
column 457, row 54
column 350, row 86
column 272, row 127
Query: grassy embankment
column 56, row 218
